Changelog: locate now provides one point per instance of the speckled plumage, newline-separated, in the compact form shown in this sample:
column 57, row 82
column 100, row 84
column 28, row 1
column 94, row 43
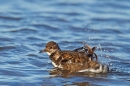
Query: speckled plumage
column 75, row 61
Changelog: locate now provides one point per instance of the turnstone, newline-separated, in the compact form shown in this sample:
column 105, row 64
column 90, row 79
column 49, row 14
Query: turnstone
column 78, row 60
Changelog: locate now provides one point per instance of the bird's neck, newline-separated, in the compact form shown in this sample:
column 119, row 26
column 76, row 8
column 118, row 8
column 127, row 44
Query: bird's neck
column 55, row 55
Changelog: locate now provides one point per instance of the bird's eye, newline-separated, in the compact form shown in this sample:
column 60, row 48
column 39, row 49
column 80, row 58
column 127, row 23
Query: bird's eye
column 50, row 47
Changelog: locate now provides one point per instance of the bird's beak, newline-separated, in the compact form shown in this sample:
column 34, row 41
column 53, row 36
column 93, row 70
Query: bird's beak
column 42, row 51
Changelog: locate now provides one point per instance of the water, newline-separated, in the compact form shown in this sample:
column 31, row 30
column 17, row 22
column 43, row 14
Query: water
column 27, row 25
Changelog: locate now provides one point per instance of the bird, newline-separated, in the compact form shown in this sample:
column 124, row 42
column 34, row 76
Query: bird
column 77, row 60
column 88, row 51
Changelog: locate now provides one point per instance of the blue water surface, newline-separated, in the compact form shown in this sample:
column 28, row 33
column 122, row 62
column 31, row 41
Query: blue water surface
column 27, row 25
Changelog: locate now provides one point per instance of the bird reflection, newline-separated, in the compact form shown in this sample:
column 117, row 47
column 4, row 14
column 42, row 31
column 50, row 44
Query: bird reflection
column 79, row 84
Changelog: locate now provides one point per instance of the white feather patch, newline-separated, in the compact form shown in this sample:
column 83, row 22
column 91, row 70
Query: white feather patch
column 54, row 64
column 100, row 70
column 48, row 53
column 59, row 66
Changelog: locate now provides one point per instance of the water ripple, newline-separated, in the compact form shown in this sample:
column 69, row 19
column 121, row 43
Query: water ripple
column 27, row 25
